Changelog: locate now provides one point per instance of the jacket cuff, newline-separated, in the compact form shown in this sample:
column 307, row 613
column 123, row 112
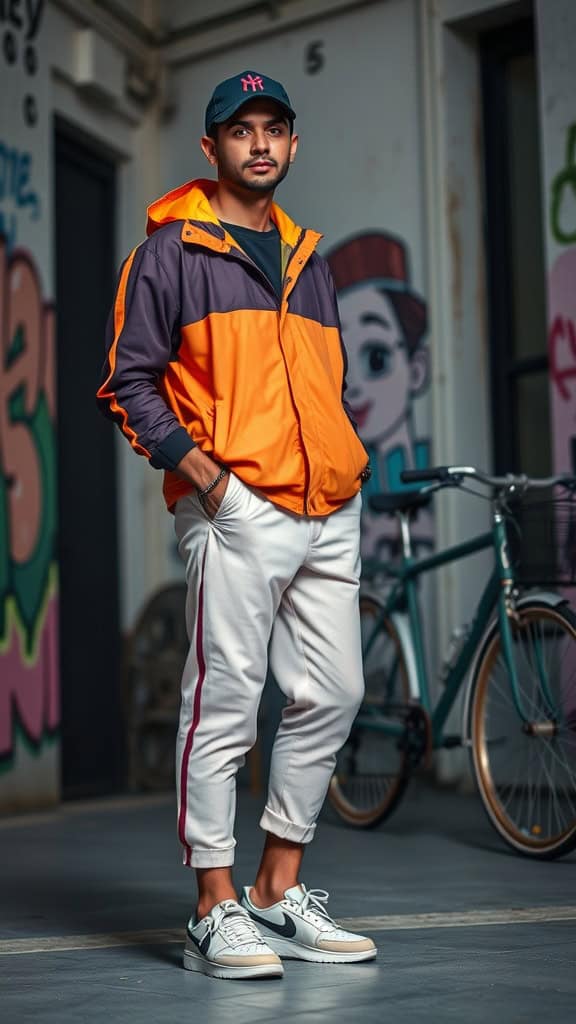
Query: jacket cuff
column 172, row 450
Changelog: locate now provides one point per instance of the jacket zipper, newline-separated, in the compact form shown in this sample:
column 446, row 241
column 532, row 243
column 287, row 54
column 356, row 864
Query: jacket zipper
column 286, row 280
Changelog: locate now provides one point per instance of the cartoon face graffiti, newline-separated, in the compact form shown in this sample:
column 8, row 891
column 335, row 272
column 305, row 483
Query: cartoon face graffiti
column 383, row 375
column 383, row 325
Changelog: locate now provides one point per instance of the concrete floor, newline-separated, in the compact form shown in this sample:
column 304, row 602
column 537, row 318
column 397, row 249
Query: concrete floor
column 91, row 873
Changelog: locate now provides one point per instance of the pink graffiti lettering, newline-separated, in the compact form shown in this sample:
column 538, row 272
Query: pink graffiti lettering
column 562, row 357
column 29, row 686
column 27, row 367
column 30, row 690
column 562, row 354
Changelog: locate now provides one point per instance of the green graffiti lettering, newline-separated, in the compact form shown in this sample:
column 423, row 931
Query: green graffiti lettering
column 564, row 185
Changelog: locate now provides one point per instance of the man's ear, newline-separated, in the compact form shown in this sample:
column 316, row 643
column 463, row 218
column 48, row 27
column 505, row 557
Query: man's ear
column 208, row 147
column 419, row 372
column 293, row 147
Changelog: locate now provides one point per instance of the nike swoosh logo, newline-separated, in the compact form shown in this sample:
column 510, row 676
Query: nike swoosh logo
column 202, row 944
column 287, row 930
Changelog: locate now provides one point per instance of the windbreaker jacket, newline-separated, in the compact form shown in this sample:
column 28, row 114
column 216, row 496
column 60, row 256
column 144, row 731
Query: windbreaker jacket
column 200, row 350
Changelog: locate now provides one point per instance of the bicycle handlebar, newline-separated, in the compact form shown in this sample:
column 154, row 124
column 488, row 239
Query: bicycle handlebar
column 436, row 474
column 455, row 474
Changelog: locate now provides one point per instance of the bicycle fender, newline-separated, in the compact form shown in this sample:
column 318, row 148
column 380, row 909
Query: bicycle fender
column 540, row 597
column 402, row 627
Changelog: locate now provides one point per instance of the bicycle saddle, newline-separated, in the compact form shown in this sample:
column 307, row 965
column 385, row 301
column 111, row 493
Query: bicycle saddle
column 398, row 501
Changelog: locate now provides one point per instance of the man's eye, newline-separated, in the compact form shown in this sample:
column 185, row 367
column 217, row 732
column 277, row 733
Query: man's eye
column 240, row 132
column 376, row 359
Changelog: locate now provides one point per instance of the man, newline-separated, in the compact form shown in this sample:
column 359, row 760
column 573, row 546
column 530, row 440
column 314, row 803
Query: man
column 225, row 368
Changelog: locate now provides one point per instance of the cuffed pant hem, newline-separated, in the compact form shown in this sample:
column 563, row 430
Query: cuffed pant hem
column 284, row 829
column 212, row 858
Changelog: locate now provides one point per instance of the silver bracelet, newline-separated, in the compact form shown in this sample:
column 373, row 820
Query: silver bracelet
column 214, row 483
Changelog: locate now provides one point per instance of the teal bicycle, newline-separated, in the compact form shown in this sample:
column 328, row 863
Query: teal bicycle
column 517, row 659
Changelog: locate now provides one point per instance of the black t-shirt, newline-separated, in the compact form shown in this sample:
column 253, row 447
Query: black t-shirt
column 263, row 247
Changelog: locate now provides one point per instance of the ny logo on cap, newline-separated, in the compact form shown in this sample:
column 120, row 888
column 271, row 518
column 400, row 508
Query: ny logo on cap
column 253, row 82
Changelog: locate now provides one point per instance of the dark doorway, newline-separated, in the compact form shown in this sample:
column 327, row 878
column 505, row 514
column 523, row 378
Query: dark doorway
column 92, row 748
column 515, row 246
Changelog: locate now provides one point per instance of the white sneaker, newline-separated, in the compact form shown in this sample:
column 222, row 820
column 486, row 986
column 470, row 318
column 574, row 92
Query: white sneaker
column 227, row 944
column 299, row 926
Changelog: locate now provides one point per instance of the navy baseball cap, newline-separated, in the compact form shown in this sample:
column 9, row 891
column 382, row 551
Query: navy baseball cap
column 230, row 95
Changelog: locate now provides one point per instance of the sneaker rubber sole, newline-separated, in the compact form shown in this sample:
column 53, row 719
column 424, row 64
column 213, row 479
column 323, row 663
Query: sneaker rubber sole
column 200, row 964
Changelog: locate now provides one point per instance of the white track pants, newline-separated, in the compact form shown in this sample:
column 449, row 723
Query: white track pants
column 263, row 582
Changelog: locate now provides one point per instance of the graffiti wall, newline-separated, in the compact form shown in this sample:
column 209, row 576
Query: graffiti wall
column 556, row 29
column 29, row 693
column 562, row 308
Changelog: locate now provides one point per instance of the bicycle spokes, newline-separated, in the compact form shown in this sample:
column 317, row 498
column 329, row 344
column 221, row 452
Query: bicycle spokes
column 372, row 768
column 527, row 767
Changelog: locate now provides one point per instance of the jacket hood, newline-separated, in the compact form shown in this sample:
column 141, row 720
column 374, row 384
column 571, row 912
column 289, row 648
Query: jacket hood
column 191, row 201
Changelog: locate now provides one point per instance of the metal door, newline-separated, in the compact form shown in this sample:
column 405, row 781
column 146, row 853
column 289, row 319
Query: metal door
column 92, row 754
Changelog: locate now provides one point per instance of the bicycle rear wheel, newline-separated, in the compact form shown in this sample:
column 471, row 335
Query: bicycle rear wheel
column 372, row 767
column 526, row 771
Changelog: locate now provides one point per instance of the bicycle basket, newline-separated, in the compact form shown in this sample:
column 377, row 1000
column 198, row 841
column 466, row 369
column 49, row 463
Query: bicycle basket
column 542, row 540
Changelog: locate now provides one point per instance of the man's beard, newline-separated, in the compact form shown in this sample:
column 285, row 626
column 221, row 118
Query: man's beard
column 262, row 185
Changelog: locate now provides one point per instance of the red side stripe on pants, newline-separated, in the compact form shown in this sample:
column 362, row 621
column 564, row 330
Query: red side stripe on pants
column 195, row 719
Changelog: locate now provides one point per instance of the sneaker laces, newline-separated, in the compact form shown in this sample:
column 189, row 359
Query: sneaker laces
column 237, row 926
column 312, row 908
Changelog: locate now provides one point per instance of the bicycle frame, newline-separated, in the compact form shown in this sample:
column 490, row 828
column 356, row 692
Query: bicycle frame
column 403, row 599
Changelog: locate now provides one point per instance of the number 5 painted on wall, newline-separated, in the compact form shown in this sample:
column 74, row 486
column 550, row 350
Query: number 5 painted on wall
column 314, row 59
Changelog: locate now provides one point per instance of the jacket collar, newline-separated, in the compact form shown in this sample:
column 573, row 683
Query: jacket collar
column 191, row 203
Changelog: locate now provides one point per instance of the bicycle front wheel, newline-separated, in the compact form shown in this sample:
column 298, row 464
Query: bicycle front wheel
column 526, row 770
column 372, row 767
